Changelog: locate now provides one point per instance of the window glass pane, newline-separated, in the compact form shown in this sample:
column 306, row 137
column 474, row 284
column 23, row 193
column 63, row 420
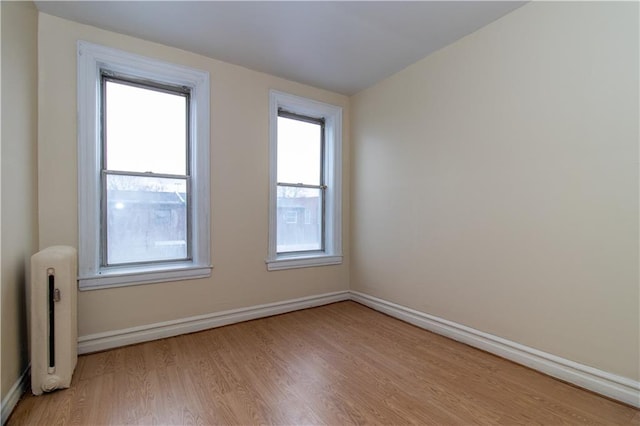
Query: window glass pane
column 299, row 223
column 146, row 219
column 146, row 130
column 299, row 151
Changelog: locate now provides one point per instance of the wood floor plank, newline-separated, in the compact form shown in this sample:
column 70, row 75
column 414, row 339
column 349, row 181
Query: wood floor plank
column 337, row 364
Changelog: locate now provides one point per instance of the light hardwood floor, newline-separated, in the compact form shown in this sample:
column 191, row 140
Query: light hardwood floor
column 337, row 364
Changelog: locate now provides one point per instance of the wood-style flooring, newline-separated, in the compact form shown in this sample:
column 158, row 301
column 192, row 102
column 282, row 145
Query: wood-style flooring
column 337, row 364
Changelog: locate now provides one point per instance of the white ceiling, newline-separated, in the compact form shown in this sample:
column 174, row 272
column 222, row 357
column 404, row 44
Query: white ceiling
column 339, row 46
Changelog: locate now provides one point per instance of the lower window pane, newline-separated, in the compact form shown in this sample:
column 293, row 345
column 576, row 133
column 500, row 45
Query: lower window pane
column 299, row 221
column 146, row 219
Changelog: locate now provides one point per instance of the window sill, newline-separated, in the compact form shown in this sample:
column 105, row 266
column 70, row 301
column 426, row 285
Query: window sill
column 122, row 277
column 292, row 262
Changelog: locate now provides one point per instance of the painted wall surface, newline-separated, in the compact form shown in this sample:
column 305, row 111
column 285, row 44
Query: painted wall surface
column 495, row 183
column 19, row 181
column 239, row 186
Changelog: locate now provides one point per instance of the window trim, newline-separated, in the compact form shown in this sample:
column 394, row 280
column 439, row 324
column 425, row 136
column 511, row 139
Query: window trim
column 92, row 59
column 332, row 115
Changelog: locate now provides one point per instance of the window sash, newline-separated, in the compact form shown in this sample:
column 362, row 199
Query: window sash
column 104, row 231
column 322, row 187
column 322, row 191
column 108, row 76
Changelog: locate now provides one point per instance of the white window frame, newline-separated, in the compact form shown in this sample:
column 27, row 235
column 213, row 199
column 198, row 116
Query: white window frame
column 92, row 59
column 332, row 254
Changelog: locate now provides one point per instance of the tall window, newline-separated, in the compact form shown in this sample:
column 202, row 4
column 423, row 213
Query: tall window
column 143, row 169
column 301, row 185
column 305, row 217
column 145, row 172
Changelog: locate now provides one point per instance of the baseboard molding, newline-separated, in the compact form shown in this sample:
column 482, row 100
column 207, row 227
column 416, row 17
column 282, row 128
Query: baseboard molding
column 113, row 339
column 13, row 396
column 610, row 385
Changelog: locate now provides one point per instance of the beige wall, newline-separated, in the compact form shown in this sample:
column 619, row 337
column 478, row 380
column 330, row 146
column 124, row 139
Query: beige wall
column 495, row 183
column 239, row 187
column 19, row 190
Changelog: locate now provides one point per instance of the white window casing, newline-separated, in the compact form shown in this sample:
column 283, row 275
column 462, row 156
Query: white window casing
column 92, row 59
column 332, row 253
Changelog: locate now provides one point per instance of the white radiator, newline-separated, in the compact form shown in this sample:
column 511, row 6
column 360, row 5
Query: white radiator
column 54, row 327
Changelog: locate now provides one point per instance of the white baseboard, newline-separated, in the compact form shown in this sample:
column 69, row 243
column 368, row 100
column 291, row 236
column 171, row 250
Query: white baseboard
column 13, row 396
column 613, row 386
column 113, row 339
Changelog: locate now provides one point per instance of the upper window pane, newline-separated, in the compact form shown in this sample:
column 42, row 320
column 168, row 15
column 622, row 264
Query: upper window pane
column 146, row 130
column 299, row 151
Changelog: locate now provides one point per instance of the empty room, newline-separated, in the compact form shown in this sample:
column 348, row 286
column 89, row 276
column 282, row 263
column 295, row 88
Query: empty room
column 289, row 213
